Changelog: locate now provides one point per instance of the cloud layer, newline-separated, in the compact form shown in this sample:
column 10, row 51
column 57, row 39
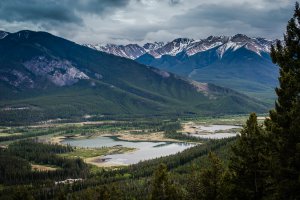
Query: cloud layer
column 123, row 21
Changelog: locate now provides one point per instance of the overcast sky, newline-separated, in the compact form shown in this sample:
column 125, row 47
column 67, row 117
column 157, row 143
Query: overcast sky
column 139, row 21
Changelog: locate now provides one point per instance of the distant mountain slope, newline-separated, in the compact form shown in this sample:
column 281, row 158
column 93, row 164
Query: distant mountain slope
column 189, row 46
column 44, row 77
column 238, row 62
column 3, row 34
column 131, row 51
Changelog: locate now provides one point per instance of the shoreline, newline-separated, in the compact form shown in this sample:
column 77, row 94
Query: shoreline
column 151, row 137
column 100, row 162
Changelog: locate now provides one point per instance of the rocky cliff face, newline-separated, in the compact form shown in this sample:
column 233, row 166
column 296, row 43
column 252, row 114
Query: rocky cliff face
column 59, row 72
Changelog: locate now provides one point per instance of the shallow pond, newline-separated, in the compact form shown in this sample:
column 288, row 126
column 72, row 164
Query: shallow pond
column 213, row 128
column 216, row 131
column 214, row 135
column 145, row 150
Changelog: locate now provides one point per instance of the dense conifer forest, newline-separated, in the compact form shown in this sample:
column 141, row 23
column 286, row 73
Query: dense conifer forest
column 261, row 163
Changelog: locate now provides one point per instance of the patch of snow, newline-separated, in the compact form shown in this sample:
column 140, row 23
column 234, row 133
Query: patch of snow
column 229, row 45
column 189, row 46
column 3, row 34
column 131, row 51
column 153, row 46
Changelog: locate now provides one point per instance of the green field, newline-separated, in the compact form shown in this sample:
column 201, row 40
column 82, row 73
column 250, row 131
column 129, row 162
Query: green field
column 93, row 152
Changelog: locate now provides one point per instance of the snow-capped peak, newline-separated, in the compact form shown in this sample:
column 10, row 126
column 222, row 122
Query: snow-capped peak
column 188, row 46
column 240, row 38
column 206, row 44
column 153, row 46
column 3, row 34
column 131, row 51
column 172, row 48
column 227, row 46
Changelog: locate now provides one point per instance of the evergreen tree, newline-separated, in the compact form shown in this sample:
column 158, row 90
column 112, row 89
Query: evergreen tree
column 115, row 193
column 193, row 184
column 22, row 193
column 284, row 122
column 211, row 180
column 104, row 193
column 249, row 162
column 162, row 188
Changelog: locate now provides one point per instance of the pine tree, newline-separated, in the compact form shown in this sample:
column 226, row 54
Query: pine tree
column 104, row 193
column 115, row 192
column 162, row 188
column 249, row 163
column 284, row 122
column 22, row 193
column 193, row 184
column 211, row 180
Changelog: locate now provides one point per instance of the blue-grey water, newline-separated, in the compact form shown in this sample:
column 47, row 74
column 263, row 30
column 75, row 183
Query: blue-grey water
column 210, row 131
column 145, row 150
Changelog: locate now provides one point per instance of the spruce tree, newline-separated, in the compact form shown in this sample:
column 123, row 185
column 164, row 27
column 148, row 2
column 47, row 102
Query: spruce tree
column 193, row 184
column 162, row 188
column 284, row 122
column 249, row 162
column 211, row 180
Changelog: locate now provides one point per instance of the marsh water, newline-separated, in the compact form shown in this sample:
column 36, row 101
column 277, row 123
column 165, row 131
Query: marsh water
column 145, row 150
column 216, row 131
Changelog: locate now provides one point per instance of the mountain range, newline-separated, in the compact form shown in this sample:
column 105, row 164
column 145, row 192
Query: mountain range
column 44, row 77
column 238, row 62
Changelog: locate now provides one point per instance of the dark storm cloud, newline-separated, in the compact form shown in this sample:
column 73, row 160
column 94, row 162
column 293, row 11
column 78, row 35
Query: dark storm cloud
column 174, row 2
column 213, row 14
column 122, row 21
column 98, row 7
column 50, row 11
column 34, row 10
column 229, row 16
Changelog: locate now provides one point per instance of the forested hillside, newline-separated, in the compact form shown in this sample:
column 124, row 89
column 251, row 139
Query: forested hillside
column 261, row 161
column 45, row 77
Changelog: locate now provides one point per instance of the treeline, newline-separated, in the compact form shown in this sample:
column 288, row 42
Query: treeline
column 71, row 114
column 173, row 134
column 264, row 160
column 132, row 182
column 137, row 181
column 263, row 164
column 146, row 168
column 17, row 133
column 15, row 162
column 23, row 136
column 88, row 129
column 247, row 175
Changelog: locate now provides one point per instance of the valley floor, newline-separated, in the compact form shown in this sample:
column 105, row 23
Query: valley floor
column 144, row 130
column 109, row 145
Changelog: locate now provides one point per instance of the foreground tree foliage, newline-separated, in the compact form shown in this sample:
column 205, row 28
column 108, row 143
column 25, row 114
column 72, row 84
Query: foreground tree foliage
column 15, row 167
column 210, row 180
column 162, row 188
column 284, row 122
column 264, row 162
column 249, row 164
